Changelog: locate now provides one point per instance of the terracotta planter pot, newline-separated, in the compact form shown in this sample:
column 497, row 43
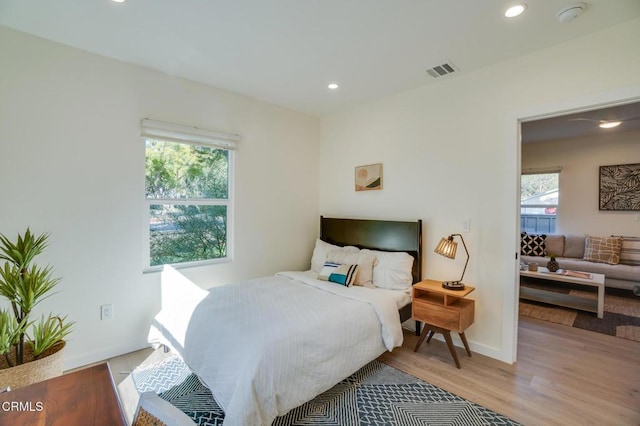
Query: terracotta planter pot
column 49, row 365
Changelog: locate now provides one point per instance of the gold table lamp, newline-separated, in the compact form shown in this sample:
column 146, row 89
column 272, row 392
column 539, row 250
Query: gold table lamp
column 447, row 247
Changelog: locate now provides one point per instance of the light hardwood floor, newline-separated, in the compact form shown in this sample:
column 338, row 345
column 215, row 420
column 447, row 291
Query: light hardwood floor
column 564, row 375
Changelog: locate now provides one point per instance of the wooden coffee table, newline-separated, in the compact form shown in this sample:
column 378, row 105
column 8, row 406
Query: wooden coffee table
column 561, row 299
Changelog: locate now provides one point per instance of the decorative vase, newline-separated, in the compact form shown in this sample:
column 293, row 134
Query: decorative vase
column 49, row 365
column 553, row 265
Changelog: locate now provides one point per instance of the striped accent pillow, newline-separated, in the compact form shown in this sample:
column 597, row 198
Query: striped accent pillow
column 337, row 273
column 602, row 249
column 630, row 251
column 365, row 262
column 327, row 269
column 344, row 275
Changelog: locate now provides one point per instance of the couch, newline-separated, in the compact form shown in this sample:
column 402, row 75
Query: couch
column 569, row 250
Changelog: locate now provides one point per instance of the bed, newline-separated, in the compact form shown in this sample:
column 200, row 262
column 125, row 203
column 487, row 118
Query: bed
column 268, row 345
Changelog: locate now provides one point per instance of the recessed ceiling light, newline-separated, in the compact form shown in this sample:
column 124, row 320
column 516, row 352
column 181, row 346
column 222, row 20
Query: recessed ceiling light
column 118, row 1
column 609, row 124
column 515, row 10
column 333, row 86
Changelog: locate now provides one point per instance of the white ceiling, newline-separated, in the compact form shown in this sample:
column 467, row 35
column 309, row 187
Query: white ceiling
column 287, row 51
column 581, row 124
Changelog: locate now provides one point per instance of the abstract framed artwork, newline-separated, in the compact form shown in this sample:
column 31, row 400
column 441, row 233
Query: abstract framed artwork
column 620, row 187
column 369, row 177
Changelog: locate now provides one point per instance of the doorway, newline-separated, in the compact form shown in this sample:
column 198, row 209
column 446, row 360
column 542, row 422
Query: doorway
column 587, row 107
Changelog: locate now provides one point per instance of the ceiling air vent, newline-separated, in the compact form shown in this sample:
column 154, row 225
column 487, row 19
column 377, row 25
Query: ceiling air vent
column 441, row 70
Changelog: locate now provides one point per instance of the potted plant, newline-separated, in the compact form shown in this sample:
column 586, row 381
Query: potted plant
column 30, row 350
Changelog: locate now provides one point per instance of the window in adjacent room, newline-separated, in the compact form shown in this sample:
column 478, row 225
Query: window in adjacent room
column 539, row 194
column 188, row 184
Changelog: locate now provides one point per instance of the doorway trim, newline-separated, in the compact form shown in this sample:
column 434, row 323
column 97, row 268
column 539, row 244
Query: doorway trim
column 594, row 101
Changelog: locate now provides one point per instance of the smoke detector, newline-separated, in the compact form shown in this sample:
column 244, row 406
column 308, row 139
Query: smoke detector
column 570, row 13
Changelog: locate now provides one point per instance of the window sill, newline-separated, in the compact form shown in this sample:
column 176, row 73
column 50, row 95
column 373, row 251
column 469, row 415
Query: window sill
column 187, row 265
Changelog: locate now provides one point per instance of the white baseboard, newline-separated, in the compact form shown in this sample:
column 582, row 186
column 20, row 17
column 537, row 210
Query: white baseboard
column 481, row 349
column 102, row 354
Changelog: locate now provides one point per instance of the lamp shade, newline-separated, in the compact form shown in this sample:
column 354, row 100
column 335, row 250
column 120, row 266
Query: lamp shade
column 447, row 247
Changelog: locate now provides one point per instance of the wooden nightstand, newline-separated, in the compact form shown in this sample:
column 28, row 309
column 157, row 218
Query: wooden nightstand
column 442, row 311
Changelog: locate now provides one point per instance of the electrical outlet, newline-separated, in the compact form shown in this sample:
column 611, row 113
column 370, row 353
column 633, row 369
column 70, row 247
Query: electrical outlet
column 466, row 225
column 106, row 312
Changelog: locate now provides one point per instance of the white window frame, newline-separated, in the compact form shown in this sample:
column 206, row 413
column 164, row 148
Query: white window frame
column 169, row 132
column 542, row 171
column 547, row 171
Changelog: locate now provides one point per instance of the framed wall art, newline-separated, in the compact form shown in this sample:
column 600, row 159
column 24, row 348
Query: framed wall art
column 620, row 187
column 369, row 177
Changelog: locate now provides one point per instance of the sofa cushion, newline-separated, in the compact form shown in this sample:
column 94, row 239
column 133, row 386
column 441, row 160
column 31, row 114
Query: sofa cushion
column 574, row 246
column 619, row 272
column 554, row 245
column 602, row 249
column 532, row 245
column 630, row 251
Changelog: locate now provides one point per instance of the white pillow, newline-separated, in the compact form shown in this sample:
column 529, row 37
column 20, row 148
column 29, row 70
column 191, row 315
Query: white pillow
column 393, row 270
column 321, row 251
column 364, row 261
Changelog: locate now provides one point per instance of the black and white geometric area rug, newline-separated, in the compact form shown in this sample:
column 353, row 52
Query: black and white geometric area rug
column 377, row 394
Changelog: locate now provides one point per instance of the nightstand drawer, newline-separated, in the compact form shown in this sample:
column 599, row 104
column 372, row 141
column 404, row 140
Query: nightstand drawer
column 456, row 317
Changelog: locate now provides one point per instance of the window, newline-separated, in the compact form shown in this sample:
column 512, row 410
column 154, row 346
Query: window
column 539, row 194
column 188, row 194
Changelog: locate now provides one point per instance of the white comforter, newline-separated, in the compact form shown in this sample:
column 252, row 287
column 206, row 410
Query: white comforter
column 268, row 345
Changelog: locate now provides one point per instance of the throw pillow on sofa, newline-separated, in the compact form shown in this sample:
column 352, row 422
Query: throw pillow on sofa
column 602, row 249
column 630, row 251
column 532, row 245
column 554, row 245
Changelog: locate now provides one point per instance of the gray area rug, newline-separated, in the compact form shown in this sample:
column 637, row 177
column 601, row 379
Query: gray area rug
column 377, row 394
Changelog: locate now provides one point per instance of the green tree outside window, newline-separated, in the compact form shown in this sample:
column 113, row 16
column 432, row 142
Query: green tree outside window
column 187, row 189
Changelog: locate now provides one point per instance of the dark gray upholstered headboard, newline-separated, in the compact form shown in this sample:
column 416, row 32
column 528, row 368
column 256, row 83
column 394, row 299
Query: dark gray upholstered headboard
column 383, row 235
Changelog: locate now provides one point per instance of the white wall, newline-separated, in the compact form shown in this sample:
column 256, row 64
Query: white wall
column 72, row 164
column 580, row 159
column 450, row 152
